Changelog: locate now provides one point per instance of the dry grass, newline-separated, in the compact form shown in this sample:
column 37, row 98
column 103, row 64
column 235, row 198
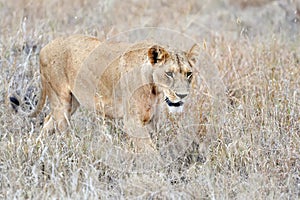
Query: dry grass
column 254, row 151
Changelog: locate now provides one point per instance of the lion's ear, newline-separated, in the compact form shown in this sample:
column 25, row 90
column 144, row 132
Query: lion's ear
column 157, row 54
column 193, row 54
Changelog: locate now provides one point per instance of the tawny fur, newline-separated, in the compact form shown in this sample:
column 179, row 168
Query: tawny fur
column 116, row 79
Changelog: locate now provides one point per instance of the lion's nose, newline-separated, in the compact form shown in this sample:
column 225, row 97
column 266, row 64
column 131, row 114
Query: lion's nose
column 181, row 96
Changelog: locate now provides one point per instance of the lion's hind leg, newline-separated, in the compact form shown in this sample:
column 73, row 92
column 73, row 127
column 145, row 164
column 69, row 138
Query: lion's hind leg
column 62, row 106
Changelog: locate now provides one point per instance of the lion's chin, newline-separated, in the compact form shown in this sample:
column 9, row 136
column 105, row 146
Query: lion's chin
column 174, row 107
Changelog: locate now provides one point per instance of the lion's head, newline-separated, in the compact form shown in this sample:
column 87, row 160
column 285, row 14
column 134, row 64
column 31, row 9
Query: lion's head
column 173, row 73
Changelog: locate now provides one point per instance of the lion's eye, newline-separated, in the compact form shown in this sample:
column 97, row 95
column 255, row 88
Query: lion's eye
column 169, row 74
column 189, row 74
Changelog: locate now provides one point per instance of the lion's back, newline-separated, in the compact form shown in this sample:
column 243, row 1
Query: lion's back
column 79, row 47
column 61, row 59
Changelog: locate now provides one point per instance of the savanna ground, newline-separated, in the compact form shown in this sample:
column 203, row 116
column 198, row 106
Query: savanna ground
column 253, row 150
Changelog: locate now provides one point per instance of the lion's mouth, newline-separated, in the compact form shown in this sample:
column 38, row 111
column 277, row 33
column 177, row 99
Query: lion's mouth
column 172, row 104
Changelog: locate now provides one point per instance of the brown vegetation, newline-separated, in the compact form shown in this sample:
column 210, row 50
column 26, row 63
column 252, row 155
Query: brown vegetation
column 250, row 147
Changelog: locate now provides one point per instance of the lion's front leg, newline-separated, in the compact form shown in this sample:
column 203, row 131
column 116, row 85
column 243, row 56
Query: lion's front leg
column 137, row 122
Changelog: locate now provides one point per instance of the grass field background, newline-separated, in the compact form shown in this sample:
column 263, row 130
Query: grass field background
column 253, row 150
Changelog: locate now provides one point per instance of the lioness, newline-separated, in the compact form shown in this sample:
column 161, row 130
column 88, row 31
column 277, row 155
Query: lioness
column 116, row 79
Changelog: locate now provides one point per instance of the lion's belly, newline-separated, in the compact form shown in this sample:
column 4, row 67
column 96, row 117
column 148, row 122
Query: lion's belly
column 109, row 107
